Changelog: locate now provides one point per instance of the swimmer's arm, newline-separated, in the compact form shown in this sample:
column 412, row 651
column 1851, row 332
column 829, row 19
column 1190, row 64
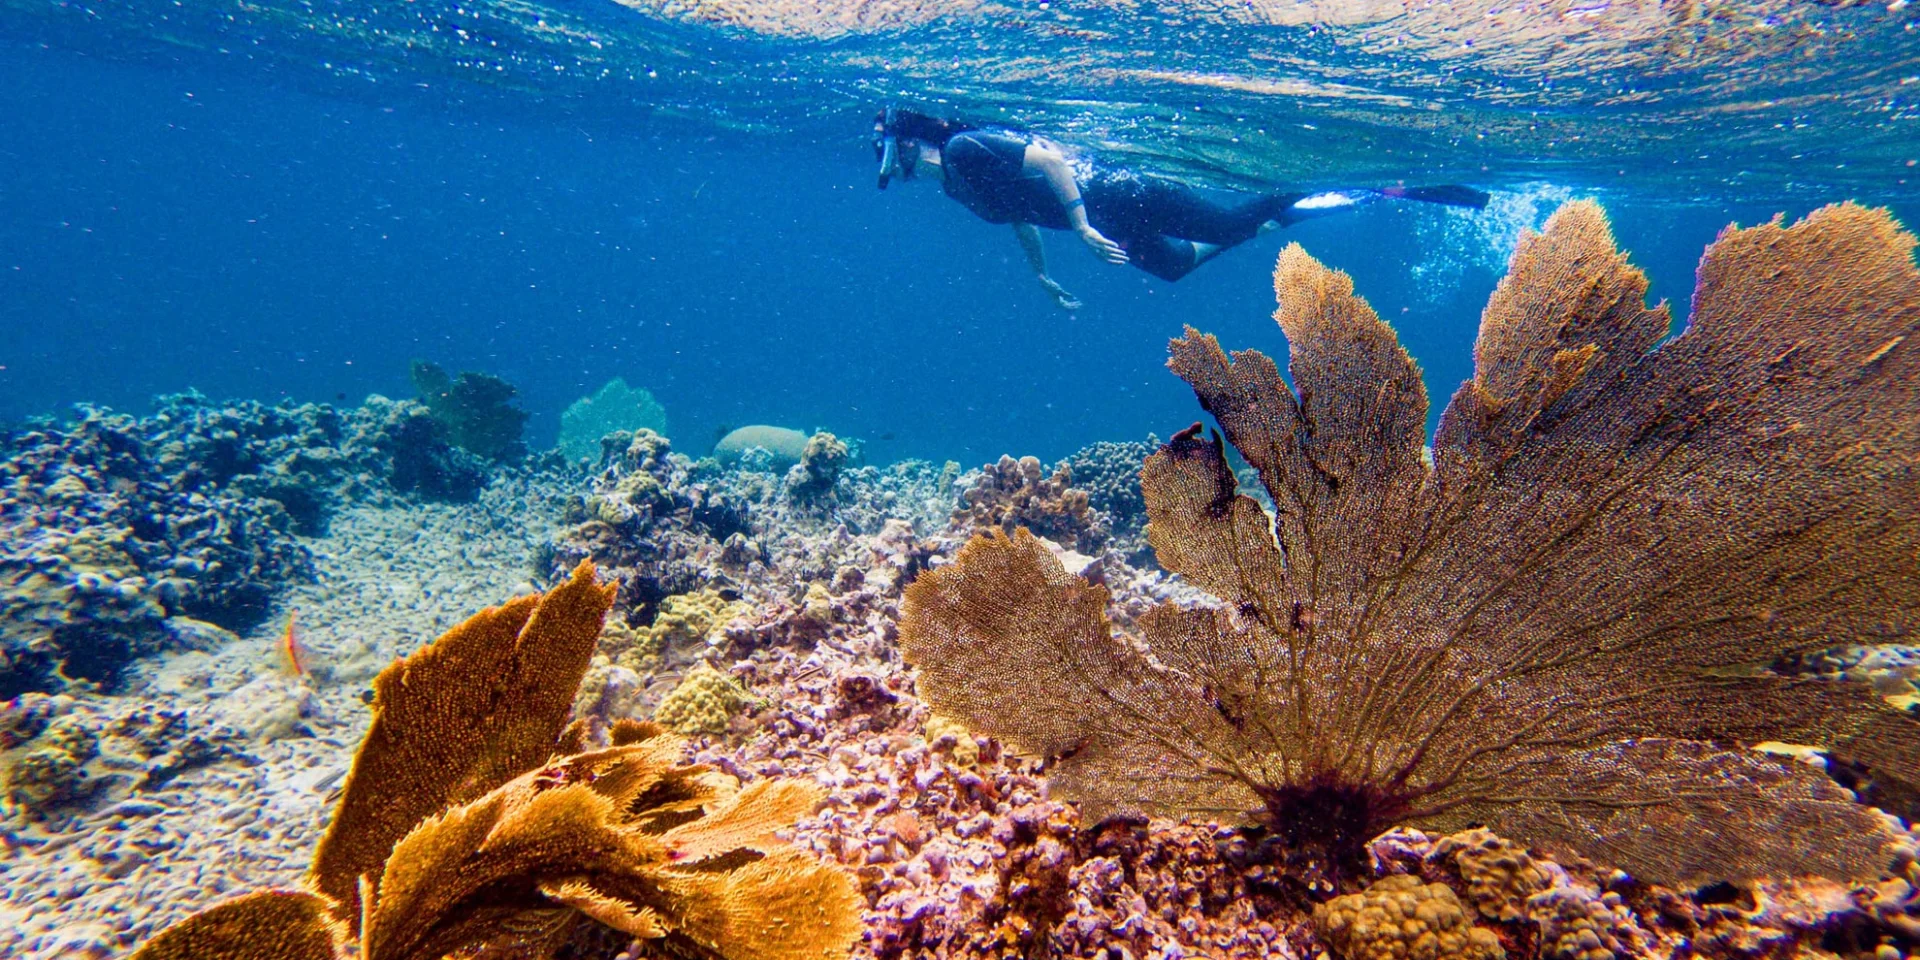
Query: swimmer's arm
column 1053, row 165
column 1029, row 236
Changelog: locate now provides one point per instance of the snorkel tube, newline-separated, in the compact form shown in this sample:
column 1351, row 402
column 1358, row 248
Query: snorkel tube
column 887, row 144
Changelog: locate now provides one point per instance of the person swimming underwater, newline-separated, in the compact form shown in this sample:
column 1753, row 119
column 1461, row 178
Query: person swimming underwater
column 1158, row 225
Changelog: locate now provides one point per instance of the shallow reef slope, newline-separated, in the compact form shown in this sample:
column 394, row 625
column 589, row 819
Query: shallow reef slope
column 1558, row 624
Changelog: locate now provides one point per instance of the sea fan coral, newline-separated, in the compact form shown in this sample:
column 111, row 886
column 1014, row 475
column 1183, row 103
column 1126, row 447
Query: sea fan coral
column 459, row 718
column 460, row 830
column 1557, row 626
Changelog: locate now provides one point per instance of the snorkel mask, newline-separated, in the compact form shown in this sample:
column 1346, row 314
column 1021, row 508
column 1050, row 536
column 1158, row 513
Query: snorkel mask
column 887, row 149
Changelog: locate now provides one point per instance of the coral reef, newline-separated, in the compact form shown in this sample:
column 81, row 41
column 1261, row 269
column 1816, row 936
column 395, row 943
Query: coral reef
column 1110, row 475
column 460, row 827
column 1017, row 493
column 113, row 550
column 663, row 525
column 124, row 536
column 959, row 848
column 474, row 409
column 1401, row 918
column 1555, row 624
column 613, row 408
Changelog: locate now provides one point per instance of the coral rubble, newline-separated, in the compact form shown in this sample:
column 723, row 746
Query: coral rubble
column 1558, row 627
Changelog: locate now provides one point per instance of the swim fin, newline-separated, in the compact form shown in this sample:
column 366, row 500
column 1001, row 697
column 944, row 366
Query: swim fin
column 1451, row 194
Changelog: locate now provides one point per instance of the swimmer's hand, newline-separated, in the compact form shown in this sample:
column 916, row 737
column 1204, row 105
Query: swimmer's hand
column 1067, row 301
column 1102, row 247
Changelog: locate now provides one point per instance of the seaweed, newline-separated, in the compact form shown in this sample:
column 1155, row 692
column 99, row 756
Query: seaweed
column 1556, row 624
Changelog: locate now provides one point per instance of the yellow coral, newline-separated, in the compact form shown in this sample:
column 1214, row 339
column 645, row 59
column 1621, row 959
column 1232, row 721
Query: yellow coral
column 52, row 768
column 818, row 605
column 625, row 646
column 1400, row 918
column 1499, row 874
column 694, row 617
column 703, row 702
column 966, row 750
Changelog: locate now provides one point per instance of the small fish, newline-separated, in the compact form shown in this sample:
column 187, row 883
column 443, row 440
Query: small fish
column 290, row 652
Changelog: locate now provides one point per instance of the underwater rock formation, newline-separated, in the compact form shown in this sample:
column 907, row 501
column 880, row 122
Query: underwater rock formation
column 613, row 408
column 474, row 409
column 1558, row 627
column 461, row 827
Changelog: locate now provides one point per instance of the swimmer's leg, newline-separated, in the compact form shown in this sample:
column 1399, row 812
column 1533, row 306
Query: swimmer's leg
column 1216, row 217
column 1310, row 206
column 1167, row 257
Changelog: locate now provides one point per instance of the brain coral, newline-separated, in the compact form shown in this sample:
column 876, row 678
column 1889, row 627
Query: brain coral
column 1401, row 918
column 785, row 444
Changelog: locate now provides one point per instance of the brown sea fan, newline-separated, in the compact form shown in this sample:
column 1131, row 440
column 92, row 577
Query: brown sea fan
column 1551, row 627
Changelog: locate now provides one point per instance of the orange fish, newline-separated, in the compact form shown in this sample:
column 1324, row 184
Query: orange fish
column 290, row 652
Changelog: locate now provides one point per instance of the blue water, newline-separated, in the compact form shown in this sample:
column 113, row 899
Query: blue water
column 298, row 204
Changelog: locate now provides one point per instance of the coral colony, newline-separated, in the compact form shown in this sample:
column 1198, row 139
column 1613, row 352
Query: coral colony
column 1609, row 668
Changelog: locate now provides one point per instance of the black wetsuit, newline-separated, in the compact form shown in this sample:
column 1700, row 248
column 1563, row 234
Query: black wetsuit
column 1157, row 221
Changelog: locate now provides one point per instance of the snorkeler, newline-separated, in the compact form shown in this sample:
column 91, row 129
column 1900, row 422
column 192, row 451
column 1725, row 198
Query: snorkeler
column 1161, row 226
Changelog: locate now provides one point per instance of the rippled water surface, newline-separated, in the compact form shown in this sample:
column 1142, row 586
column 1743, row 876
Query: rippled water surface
column 1763, row 97
column 681, row 193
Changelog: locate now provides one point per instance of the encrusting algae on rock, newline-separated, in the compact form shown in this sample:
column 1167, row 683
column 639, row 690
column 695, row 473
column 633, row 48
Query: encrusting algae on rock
column 1558, row 627
column 462, row 824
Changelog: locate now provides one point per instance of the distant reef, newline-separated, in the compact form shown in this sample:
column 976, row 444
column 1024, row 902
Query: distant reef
column 123, row 535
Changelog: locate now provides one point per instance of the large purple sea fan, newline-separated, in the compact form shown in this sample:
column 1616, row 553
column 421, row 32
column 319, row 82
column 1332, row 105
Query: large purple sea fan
column 1557, row 624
